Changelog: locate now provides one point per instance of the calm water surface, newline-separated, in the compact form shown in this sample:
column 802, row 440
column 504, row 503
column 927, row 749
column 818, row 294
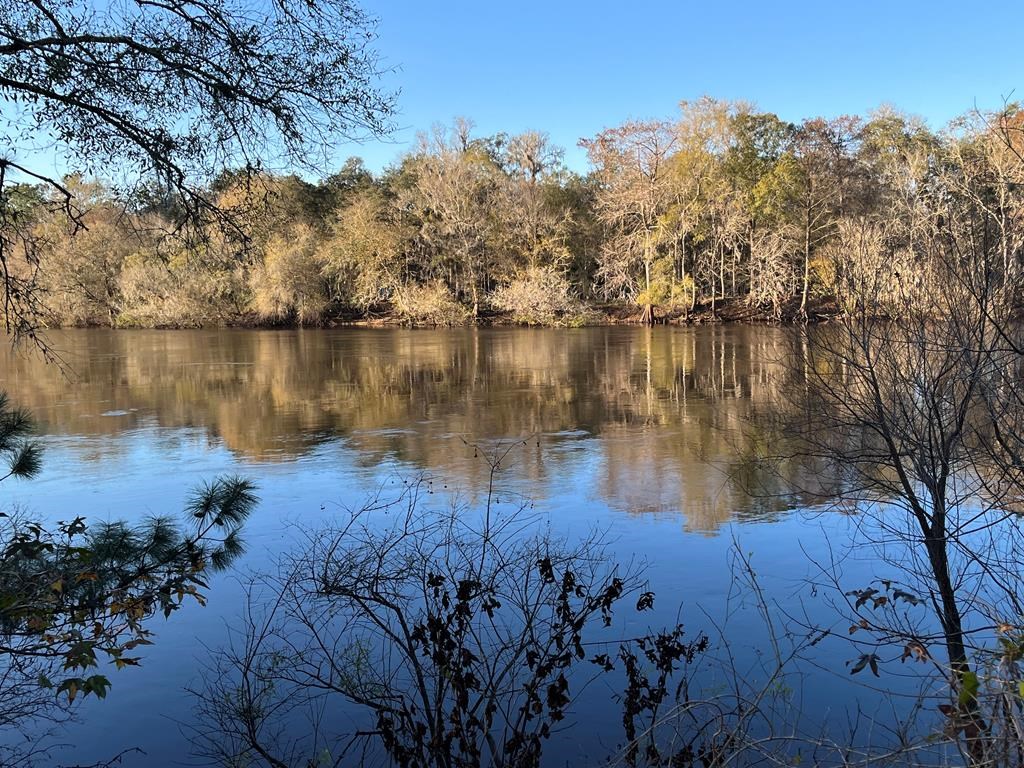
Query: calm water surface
column 634, row 431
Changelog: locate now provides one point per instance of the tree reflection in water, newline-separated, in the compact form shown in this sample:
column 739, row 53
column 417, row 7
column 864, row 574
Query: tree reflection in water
column 667, row 413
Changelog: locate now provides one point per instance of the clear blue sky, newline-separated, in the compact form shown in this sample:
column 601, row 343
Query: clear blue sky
column 573, row 67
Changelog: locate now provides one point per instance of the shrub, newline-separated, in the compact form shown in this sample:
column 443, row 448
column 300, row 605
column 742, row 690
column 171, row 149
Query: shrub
column 288, row 285
column 182, row 293
column 430, row 304
column 463, row 639
column 539, row 296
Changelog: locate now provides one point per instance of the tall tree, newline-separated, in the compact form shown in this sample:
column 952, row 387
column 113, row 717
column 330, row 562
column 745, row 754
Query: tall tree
column 631, row 164
column 456, row 182
column 824, row 160
column 533, row 217
column 756, row 165
column 365, row 256
column 706, row 212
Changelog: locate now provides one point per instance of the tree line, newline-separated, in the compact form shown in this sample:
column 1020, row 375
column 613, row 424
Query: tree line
column 725, row 208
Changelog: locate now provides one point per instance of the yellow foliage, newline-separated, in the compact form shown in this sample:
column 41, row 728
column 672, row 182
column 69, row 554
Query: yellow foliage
column 432, row 305
column 289, row 283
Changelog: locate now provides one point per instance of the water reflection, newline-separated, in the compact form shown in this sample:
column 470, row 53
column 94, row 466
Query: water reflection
column 661, row 415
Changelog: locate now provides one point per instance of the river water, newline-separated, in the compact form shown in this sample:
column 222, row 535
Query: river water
column 638, row 432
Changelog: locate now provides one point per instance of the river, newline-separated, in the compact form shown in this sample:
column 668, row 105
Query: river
column 639, row 432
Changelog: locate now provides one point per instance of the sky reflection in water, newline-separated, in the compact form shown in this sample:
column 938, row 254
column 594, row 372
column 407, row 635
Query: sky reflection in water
column 637, row 432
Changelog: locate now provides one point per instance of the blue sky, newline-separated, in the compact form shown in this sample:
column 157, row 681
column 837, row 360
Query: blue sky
column 574, row 67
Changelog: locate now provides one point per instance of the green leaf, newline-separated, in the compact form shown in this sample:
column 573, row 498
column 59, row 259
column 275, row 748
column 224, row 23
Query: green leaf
column 27, row 461
column 969, row 685
column 98, row 685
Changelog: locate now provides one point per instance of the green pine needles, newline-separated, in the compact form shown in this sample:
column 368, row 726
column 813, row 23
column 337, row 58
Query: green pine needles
column 75, row 597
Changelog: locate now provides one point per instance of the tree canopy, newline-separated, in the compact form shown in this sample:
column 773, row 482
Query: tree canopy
column 724, row 207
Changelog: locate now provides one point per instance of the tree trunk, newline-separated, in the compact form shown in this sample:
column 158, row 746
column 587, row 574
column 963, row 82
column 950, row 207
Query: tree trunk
column 647, row 318
column 682, row 260
column 807, row 266
column 721, row 270
column 474, row 291
column 693, row 291
column 111, row 309
column 974, row 726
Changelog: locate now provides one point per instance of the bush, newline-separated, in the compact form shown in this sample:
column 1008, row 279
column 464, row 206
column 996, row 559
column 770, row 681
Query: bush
column 540, row 296
column 463, row 639
column 430, row 305
column 182, row 293
column 288, row 285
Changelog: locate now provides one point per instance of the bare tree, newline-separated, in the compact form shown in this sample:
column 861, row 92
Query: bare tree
column 456, row 182
column 463, row 640
column 916, row 406
column 631, row 162
column 823, row 159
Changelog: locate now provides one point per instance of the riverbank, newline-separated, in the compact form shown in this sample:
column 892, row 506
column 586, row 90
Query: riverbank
column 703, row 313
column 730, row 311
column 721, row 311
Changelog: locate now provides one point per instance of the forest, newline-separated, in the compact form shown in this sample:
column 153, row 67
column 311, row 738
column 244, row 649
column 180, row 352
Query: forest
column 725, row 212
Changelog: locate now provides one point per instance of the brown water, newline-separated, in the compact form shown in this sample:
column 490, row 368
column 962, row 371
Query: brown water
column 654, row 408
